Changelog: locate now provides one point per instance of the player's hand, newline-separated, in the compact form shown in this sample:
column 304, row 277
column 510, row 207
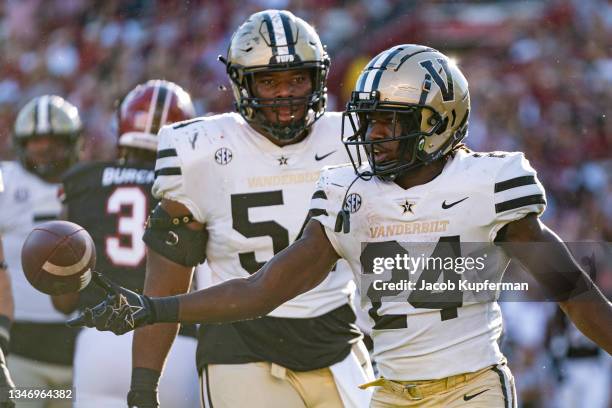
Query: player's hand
column 6, row 384
column 122, row 310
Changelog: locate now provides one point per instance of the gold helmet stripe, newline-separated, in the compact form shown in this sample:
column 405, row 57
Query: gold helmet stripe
column 268, row 20
column 279, row 33
column 279, row 30
column 288, row 33
column 369, row 82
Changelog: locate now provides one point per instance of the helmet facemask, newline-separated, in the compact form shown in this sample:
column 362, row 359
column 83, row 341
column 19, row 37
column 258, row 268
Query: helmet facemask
column 61, row 154
column 411, row 125
column 312, row 106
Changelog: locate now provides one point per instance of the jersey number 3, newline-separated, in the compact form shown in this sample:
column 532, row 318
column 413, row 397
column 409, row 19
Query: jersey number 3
column 126, row 247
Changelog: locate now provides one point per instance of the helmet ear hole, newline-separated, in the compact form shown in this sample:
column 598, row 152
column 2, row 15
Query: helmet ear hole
column 443, row 126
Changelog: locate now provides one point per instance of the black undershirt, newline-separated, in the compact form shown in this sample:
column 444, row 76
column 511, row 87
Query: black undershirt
column 297, row 344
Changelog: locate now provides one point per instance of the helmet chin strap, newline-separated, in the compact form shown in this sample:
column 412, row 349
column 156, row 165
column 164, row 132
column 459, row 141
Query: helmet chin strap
column 293, row 132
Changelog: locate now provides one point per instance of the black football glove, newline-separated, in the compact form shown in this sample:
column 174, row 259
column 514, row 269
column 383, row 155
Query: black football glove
column 6, row 384
column 122, row 310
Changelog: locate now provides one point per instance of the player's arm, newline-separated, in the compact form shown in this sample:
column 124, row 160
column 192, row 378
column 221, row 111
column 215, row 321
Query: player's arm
column 561, row 276
column 295, row 270
column 164, row 277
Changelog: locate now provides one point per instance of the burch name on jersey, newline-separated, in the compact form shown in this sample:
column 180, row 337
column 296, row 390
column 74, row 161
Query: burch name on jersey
column 111, row 201
column 27, row 201
column 469, row 202
column 251, row 194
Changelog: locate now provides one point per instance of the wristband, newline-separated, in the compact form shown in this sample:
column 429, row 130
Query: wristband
column 143, row 388
column 165, row 309
column 144, row 379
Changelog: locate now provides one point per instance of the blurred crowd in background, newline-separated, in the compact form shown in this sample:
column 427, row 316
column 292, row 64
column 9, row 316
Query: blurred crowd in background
column 540, row 76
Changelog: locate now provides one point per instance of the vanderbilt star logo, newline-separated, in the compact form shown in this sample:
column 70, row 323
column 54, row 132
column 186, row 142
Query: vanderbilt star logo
column 282, row 161
column 319, row 158
column 122, row 305
column 447, row 206
column 407, row 206
column 469, row 397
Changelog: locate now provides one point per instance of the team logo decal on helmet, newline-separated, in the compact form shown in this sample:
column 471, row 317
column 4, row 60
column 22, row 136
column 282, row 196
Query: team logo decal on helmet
column 427, row 97
column 277, row 40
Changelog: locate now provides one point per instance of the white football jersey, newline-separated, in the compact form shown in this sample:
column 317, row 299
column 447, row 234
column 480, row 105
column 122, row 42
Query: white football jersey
column 252, row 195
column 26, row 201
column 475, row 195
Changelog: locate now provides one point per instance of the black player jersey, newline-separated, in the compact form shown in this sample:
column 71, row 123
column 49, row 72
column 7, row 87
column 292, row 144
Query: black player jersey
column 111, row 201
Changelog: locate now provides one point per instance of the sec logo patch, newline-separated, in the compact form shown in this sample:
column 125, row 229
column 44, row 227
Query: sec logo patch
column 223, row 156
column 352, row 203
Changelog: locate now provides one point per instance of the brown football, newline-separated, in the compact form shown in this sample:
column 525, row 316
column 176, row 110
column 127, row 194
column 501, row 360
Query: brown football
column 58, row 257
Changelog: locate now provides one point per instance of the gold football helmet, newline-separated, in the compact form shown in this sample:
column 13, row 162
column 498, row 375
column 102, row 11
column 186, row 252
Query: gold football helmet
column 277, row 40
column 48, row 116
column 426, row 94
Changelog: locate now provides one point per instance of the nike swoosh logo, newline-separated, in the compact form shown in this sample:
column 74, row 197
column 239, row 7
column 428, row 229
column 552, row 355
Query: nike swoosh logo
column 469, row 397
column 447, row 206
column 319, row 158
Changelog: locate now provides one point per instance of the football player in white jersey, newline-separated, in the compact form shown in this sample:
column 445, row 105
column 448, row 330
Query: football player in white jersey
column 234, row 189
column 47, row 138
column 418, row 185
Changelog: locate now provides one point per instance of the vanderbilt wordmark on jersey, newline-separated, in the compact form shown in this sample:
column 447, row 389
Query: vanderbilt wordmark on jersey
column 469, row 202
column 253, row 198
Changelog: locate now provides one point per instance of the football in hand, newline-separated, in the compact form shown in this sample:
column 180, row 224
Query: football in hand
column 58, row 257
